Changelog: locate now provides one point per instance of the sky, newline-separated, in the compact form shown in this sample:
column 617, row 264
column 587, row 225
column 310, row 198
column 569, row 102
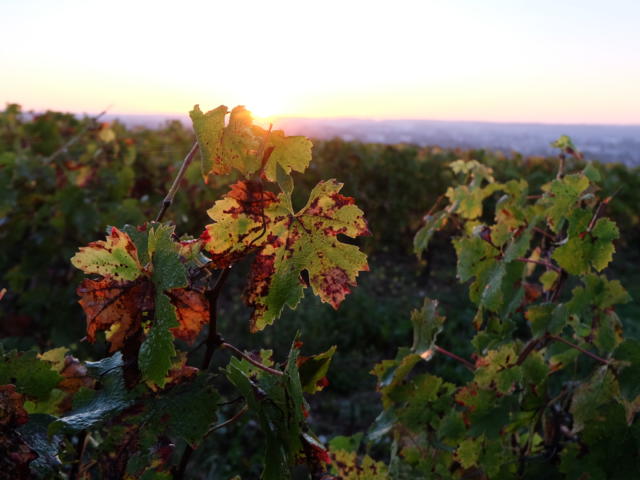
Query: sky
column 550, row 61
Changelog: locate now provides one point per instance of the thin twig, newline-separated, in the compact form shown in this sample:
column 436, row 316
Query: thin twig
column 546, row 234
column 76, row 137
column 449, row 354
column 240, row 353
column 539, row 262
column 168, row 200
column 580, row 349
column 532, row 345
column 562, row 157
column 233, row 419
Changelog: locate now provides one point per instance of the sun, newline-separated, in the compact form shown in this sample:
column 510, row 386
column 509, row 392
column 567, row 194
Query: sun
column 264, row 109
column 266, row 103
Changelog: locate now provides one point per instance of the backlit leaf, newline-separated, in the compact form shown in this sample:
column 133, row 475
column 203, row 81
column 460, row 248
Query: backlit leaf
column 286, row 245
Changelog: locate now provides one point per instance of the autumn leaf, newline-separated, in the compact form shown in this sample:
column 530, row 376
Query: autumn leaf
column 148, row 305
column 245, row 147
column 287, row 244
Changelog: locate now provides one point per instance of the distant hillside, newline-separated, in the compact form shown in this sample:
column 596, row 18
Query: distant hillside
column 608, row 143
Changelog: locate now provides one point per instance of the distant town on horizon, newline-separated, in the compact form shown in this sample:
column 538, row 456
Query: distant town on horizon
column 606, row 143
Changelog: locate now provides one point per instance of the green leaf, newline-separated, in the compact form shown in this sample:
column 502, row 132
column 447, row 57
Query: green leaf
column 592, row 173
column 548, row 279
column 348, row 444
column 94, row 408
column 278, row 402
column 31, row 376
column 427, row 324
column 563, row 142
column 474, row 256
column 168, row 270
column 600, row 388
column 187, row 410
column 540, row 317
column 314, row 369
column 468, row 452
column 209, row 129
column 585, row 249
column 157, row 349
column 289, row 153
column 562, row 197
column 628, row 353
column 432, row 224
column 498, row 367
column 285, row 182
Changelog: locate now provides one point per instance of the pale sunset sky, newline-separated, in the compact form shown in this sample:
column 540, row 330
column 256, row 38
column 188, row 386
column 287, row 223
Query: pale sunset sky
column 552, row 61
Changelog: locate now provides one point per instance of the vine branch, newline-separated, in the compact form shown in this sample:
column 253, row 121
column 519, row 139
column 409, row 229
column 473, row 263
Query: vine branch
column 77, row 136
column 452, row 355
column 168, row 199
column 579, row 348
column 253, row 362
column 548, row 265
column 232, row 420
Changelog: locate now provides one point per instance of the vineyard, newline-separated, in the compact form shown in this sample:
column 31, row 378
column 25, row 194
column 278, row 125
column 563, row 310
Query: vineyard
column 226, row 301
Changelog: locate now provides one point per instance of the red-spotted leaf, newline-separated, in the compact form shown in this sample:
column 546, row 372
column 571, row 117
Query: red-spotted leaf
column 287, row 244
column 149, row 305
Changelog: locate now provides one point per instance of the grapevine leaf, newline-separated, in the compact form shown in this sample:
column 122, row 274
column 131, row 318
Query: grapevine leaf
column 209, row 129
column 468, row 452
column 592, row 173
column 240, row 222
column 31, row 376
column 248, row 218
column 474, row 255
column 35, row 434
column 95, row 407
column 285, row 182
column 288, row 153
column 562, row 196
column 468, row 199
column 347, row 466
column 548, row 279
column 313, row 370
column 114, row 306
column 563, row 142
column 348, row 444
column 279, row 404
column 497, row 369
column 628, row 353
column 600, row 388
column 157, row 350
column 584, row 249
column 244, row 146
column 432, row 224
column 186, row 410
column 427, row 325
column 168, row 270
column 191, row 310
column 157, row 296
column 116, row 257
